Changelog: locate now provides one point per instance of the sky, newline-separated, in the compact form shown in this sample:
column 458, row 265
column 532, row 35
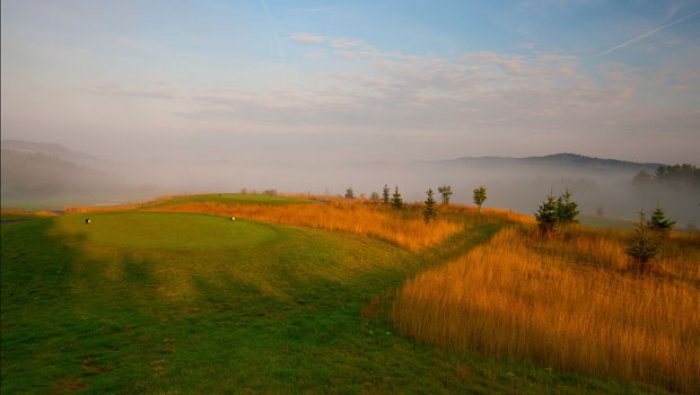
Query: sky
column 354, row 81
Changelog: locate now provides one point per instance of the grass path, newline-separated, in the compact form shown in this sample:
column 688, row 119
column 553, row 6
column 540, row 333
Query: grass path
column 301, row 311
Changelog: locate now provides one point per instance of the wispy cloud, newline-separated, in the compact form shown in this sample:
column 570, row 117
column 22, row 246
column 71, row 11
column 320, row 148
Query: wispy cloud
column 346, row 43
column 343, row 47
column 397, row 92
column 308, row 38
column 647, row 34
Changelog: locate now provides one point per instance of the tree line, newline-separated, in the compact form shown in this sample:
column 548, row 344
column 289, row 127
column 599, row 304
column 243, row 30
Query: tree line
column 555, row 214
column 395, row 199
column 684, row 176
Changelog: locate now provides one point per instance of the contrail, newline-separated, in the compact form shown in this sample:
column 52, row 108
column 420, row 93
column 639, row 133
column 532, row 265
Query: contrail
column 647, row 34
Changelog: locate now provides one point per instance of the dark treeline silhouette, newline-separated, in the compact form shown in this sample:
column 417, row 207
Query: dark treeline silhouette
column 685, row 175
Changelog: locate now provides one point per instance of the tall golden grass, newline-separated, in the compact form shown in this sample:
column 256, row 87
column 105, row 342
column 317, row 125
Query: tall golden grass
column 567, row 303
column 408, row 231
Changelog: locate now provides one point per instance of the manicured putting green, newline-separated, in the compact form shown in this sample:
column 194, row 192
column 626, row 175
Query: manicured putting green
column 167, row 231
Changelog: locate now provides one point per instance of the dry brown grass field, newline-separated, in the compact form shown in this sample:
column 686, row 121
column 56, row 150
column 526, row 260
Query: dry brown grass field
column 572, row 302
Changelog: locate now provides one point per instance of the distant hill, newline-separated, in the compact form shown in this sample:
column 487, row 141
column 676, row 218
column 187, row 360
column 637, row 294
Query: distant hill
column 35, row 175
column 56, row 151
column 561, row 160
column 32, row 171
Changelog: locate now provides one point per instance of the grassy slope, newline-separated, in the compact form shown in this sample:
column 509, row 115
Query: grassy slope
column 167, row 231
column 231, row 198
column 282, row 313
column 14, row 216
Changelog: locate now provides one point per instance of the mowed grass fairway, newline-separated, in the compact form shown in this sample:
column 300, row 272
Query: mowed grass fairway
column 144, row 302
column 167, row 231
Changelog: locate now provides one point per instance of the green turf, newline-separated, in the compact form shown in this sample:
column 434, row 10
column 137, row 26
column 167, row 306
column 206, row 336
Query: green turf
column 280, row 314
column 15, row 216
column 232, row 198
column 167, row 231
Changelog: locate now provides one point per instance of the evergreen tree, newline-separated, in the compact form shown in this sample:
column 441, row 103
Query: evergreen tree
column 349, row 194
column 396, row 200
column 374, row 197
column 385, row 194
column 553, row 212
column 567, row 210
column 429, row 213
column 479, row 197
column 643, row 248
column 546, row 215
column 659, row 222
column 446, row 192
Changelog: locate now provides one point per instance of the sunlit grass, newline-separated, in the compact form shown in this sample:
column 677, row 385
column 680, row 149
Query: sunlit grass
column 81, row 313
column 145, row 230
column 127, row 304
column 412, row 233
column 568, row 302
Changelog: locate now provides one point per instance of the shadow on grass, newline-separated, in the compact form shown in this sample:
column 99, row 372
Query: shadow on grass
column 68, row 325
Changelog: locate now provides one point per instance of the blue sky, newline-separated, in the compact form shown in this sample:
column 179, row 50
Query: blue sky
column 355, row 81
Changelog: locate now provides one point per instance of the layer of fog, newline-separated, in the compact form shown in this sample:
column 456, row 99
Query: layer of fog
column 517, row 187
column 52, row 173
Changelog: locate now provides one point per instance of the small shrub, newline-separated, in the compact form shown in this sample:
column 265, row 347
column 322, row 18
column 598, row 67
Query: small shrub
column 546, row 215
column 567, row 210
column 396, row 200
column 555, row 212
column 385, row 194
column 446, row 192
column 429, row 213
column 643, row 248
column 479, row 197
column 659, row 222
column 349, row 194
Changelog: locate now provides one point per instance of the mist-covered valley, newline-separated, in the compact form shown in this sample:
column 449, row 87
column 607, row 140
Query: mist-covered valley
column 36, row 173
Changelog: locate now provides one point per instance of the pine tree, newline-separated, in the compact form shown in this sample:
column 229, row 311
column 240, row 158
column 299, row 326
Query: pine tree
column 396, row 200
column 349, row 194
column 643, row 249
column 567, row 210
column 429, row 213
column 385, row 194
column 546, row 215
column 659, row 222
column 479, row 197
column 446, row 192
column 374, row 197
